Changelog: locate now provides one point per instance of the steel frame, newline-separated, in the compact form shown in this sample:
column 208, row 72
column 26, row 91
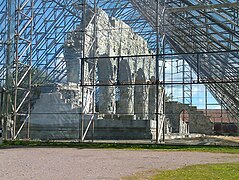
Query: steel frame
column 32, row 35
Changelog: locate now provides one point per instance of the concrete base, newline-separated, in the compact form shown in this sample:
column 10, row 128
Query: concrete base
column 56, row 117
column 122, row 129
column 182, row 136
column 104, row 129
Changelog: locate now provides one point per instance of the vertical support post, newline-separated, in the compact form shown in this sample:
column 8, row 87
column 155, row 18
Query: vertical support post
column 172, row 72
column 206, row 99
column 1, row 108
column 79, row 127
column 221, row 112
column 198, row 68
column 94, row 69
column 183, row 89
column 207, row 29
column 22, row 62
column 164, row 62
column 93, row 128
column 30, row 71
column 11, row 5
column 118, row 69
column 82, row 65
column 191, row 86
column 157, row 72
column 16, row 61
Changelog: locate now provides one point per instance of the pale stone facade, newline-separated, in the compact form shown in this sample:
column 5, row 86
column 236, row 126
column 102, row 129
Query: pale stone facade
column 124, row 110
column 114, row 38
column 126, row 89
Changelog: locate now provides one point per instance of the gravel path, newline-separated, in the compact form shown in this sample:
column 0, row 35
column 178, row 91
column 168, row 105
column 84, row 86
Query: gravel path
column 73, row 163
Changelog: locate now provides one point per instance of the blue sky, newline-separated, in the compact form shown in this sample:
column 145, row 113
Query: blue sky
column 200, row 97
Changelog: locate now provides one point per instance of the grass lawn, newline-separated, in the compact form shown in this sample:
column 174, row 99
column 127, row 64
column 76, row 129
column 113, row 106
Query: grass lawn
column 226, row 171
column 160, row 147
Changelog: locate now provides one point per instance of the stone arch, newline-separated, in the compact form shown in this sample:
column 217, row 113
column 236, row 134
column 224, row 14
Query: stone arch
column 140, row 94
column 105, row 92
column 198, row 122
column 184, row 122
column 124, row 104
column 176, row 111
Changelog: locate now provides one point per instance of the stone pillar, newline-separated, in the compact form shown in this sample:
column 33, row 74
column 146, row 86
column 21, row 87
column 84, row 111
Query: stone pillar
column 152, row 98
column 125, row 103
column 106, row 102
column 140, row 95
column 72, row 56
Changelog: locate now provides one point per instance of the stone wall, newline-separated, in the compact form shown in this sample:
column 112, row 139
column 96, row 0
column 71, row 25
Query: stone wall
column 113, row 38
column 125, row 110
column 197, row 121
column 56, row 114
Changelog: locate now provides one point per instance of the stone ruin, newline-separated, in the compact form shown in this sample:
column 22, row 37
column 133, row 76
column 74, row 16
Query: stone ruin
column 113, row 38
column 124, row 110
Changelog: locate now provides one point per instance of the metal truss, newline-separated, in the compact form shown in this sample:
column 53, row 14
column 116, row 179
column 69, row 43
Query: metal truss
column 32, row 34
column 193, row 27
column 32, row 37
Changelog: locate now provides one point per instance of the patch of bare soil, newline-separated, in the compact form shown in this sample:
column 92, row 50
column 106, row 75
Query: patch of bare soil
column 207, row 140
column 73, row 163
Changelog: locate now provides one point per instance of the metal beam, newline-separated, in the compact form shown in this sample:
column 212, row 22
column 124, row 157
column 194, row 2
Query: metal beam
column 202, row 7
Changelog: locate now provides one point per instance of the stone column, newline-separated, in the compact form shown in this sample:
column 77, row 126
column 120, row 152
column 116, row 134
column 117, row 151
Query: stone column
column 140, row 95
column 106, row 90
column 152, row 98
column 73, row 58
column 125, row 103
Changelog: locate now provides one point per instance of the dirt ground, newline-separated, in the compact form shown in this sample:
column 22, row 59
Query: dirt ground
column 73, row 163
column 207, row 140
